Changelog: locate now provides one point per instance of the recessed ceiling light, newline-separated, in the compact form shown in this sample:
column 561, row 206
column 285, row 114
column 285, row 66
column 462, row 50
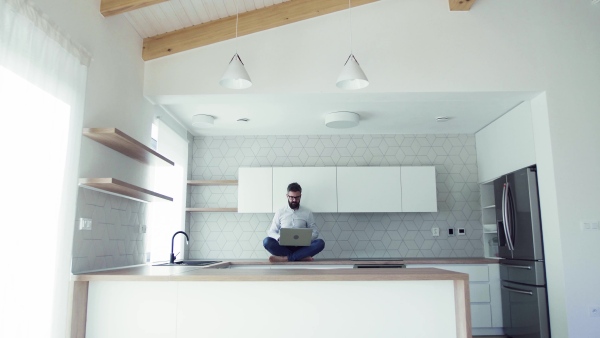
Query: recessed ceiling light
column 442, row 119
column 202, row 120
column 341, row 119
column 243, row 120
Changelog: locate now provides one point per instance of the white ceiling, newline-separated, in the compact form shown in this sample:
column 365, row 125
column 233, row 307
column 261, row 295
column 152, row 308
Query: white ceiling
column 380, row 113
column 304, row 114
column 177, row 14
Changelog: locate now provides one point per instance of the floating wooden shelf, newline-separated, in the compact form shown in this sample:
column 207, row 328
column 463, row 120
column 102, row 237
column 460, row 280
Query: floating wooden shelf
column 211, row 209
column 489, row 206
column 212, row 182
column 120, row 188
column 125, row 144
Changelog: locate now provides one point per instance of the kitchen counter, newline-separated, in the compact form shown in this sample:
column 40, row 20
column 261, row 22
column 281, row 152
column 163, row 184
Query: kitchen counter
column 336, row 291
column 220, row 272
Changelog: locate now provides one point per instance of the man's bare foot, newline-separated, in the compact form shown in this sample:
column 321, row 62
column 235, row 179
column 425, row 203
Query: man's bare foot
column 307, row 259
column 275, row 259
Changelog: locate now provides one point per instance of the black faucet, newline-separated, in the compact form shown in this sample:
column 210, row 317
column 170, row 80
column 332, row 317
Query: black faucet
column 172, row 259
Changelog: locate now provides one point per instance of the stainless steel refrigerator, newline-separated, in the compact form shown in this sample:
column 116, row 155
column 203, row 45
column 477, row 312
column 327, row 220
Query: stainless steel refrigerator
column 522, row 271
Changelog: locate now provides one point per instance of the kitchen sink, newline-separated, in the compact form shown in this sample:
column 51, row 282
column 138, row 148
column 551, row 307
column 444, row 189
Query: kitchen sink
column 188, row 263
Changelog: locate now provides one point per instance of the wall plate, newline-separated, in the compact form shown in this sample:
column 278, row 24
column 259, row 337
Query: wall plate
column 461, row 231
column 85, row 224
column 450, row 231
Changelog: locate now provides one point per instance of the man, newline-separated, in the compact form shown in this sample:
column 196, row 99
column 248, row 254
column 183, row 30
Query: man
column 292, row 216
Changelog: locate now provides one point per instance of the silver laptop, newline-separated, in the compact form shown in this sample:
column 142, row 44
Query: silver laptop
column 295, row 236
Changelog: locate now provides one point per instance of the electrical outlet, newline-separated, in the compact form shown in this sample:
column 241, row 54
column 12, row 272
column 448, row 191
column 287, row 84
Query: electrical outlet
column 142, row 229
column 435, row 232
column 461, row 231
column 450, row 231
column 590, row 225
column 595, row 311
column 85, row 224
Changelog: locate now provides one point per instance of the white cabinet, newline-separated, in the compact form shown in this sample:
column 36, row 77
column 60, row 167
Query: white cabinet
column 339, row 189
column 319, row 192
column 419, row 192
column 506, row 144
column 369, row 189
column 484, row 292
column 255, row 190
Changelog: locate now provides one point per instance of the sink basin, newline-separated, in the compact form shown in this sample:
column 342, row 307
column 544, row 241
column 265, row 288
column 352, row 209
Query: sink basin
column 188, row 263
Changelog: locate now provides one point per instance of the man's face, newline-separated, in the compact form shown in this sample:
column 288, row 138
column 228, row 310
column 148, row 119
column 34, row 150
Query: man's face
column 294, row 199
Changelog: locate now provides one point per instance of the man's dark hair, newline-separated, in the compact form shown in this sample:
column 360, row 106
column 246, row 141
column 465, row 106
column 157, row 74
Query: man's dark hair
column 294, row 187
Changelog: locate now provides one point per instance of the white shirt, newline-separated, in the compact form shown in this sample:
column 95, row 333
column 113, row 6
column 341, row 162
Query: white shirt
column 287, row 217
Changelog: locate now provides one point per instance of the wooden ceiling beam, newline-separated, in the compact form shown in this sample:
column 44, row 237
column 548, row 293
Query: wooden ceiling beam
column 249, row 22
column 114, row 7
column 461, row 5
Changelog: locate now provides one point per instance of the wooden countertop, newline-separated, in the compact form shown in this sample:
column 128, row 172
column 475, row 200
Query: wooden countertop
column 407, row 261
column 219, row 271
column 177, row 273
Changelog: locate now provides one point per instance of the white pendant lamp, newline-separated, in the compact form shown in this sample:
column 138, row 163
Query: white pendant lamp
column 236, row 76
column 352, row 76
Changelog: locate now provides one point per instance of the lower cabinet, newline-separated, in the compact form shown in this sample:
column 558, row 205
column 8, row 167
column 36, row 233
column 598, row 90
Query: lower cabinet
column 484, row 291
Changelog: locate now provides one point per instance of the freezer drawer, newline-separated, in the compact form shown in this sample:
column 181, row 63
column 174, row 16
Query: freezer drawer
column 523, row 272
column 525, row 311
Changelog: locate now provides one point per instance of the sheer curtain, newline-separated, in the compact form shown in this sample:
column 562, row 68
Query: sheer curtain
column 167, row 218
column 42, row 88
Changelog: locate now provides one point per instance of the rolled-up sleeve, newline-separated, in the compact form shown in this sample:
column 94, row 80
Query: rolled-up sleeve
column 310, row 223
column 273, row 231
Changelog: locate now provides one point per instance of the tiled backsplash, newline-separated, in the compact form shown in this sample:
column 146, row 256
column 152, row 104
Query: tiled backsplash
column 235, row 236
column 115, row 239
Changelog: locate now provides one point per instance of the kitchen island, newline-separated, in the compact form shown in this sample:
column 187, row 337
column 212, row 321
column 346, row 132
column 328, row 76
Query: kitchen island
column 224, row 300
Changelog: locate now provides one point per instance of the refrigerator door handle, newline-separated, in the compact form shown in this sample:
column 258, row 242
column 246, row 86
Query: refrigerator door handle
column 524, row 267
column 505, row 217
column 515, row 290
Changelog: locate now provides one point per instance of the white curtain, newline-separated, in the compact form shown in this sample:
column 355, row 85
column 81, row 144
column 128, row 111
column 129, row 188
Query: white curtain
column 42, row 89
column 167, row 218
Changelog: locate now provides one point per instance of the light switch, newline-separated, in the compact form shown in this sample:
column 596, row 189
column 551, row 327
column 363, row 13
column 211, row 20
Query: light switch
column 85, row 224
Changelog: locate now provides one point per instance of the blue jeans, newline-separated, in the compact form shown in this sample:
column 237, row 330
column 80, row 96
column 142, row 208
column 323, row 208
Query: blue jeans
column 293, row 253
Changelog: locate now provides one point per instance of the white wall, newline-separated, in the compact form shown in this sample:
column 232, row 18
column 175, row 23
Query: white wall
column 114, row 91
column 549, row 46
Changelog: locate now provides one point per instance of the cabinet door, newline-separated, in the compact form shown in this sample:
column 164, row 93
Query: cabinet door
column 255, row 190
column 506, row 144
column 318, row 187
column 419, row 192
column 369, row 189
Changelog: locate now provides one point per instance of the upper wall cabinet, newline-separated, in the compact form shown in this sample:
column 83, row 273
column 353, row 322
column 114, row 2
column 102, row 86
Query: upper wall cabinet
column 506, row 144
column 319, row 193
column 369, row 189
column 341, row 189
column 255, row 190
column 419, row 193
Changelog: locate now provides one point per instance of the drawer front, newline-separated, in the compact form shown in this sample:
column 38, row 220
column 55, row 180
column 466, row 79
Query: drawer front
column 480, row 292
column 477, row 273
column 481, row 315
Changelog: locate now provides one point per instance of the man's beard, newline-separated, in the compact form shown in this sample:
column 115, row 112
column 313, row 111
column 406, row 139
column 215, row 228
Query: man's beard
column 294, row 205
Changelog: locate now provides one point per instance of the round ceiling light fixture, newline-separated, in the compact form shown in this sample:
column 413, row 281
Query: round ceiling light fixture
column 203, row 121
column 342, row 119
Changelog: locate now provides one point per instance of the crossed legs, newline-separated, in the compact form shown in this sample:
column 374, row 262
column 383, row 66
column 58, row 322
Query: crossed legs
column 292, row 253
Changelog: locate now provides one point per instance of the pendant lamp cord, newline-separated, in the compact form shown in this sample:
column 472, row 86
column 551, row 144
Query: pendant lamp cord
column 236, row 25
column 350, row 13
